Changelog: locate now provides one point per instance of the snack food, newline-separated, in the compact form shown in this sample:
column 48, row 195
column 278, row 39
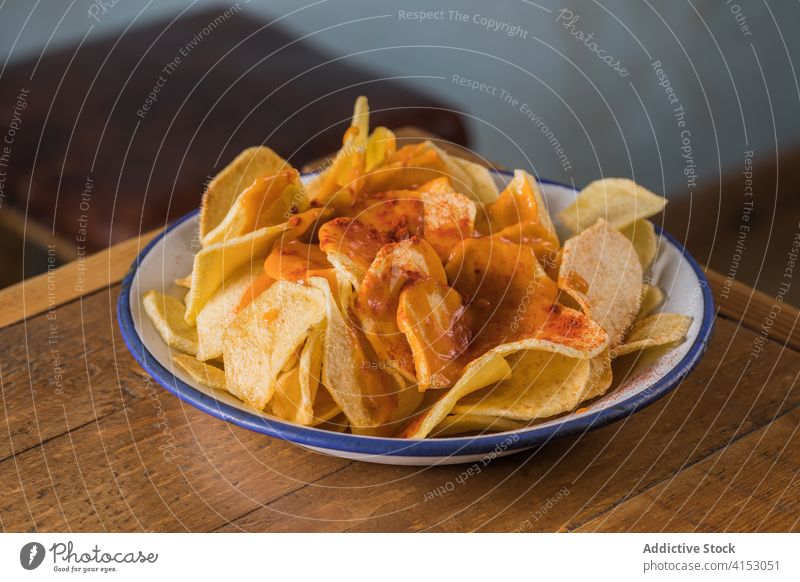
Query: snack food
column 399, row 293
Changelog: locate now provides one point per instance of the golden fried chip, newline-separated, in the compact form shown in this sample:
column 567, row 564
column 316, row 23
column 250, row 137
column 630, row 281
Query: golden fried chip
column 542, row 384
column 520, row 202
column 605, row 264
column 219, row 311
column 472, row 180
column 351, row 247
column 652, row 297
column 656, row 330
column 200, row 372
column 268, row 201
column 264, row 336
column 600, row 376
column 458, row 424
column 340, row 184
column 235, row 177
column 431, row 316
column 482, row 182
column 642, row 235
column 217, row 262
column 380, row 146
column 166, row 314
column 619, row 201
column 379, row 295
column 515, row 304
column 184, row 281
column 297, row 396
column 448, row 217
column 363, row 392
column 486, row 370
column 397, row 214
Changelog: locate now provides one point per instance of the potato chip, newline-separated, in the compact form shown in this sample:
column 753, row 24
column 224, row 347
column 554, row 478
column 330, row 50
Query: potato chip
column 215, row 263
column 467, row 178
column 380, row 146
column 295, row 396
column 235, row 177
column 200, row 372
column 516, row 303
column 601, row 265
column 520, row 202
column 166, row 313
column 483, row 185
column 448, row 217
column 184, row 281
column 652, row 297
column 268, row 201
column 379, row 294
column 408, row 167
column 458, row 424
column 642, row 235
column 656, row 330
column 364, row 392
column 486, row 370
column 264, row 336
column 339, row 185
column 219, row 311
column 542, row 384
column 398, row 214
column 619, row 201
column 600, row 376
column 431, row 316
column 351, row 247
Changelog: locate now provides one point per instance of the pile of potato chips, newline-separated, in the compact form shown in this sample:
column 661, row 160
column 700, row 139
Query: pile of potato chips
column 399, row 293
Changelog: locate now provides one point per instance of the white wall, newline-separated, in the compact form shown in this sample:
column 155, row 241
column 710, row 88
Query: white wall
column 738, row 86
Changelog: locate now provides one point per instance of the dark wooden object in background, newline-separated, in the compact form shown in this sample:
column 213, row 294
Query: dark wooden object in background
column 241, row 85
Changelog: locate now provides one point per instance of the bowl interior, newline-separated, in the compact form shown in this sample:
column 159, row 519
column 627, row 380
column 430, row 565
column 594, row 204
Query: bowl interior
column 171, row 258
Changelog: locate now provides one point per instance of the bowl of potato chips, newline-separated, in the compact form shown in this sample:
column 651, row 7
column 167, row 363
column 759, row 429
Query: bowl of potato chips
column 404, row 305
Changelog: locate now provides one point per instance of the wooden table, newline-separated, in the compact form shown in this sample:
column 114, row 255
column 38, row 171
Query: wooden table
column 90, row 443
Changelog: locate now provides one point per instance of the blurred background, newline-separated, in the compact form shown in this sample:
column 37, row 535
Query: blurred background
column 114, row 113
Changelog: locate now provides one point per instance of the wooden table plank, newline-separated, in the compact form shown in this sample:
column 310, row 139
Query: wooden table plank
column 58, row 373
column 68, row 282
column 749, row 487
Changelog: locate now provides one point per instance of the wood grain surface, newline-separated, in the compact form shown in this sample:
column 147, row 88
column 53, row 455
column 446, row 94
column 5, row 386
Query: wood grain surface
column 103, row 448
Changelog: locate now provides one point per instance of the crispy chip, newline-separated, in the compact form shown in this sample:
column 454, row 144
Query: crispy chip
column 656, row 330
column 642, row 235
column 515, row 304
column 467, row 178
column 219, row 311
column 235, row 177
column 652, row 297
column 166, row 313
column 619, row 201
column 297, row 396
column 351, row 247
column 340, row 183
column 268, row 201
column 486, row 370
column 431, row 315
column 379, row 294
column 482, row 181
column 363, row 392
column 601, row 264
column 215, row 263
column 264, row 336
column 457, row 424
column 520, row 202
column 380, row 146
column 200, row 372
column 542, row 384
column 448, row 217
column 184, row 281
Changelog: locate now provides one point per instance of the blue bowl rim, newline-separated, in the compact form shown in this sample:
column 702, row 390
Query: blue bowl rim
column 433, row 448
